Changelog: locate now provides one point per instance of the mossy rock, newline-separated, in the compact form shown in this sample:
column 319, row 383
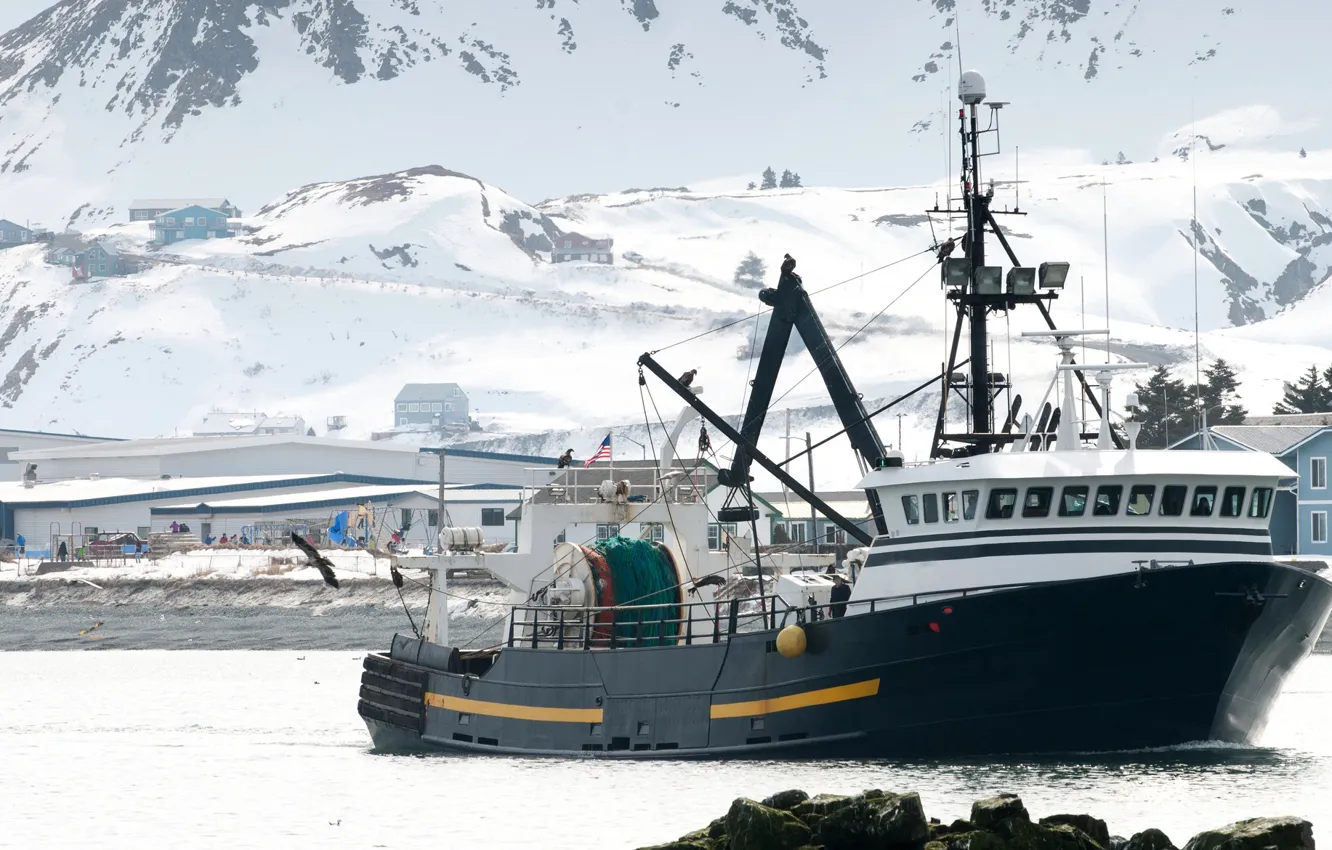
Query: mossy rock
column 785, row 800
column 990, row 812
column 819, row 806
column 874, row 819
column 1094, row 827
column 754, row 826
column 1150, row 839
column 1283, row 833
column 1023, row 835
column 680, row 845
column 717, row 829
column 975, row 839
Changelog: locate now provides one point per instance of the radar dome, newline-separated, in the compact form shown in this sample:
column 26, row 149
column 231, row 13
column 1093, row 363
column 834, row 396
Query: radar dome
column 971, row 87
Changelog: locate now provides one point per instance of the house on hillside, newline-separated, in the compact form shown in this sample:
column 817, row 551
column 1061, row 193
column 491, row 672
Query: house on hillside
column 12, row 234
column 102, row 260
column 192, row 222
column 437, row 405
column 221, row 423
column 1300, row 514
column 575, row 247
column 150, row 209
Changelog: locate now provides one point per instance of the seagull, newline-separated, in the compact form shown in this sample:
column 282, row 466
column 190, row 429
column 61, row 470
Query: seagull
column 946, row 248
column 687, row 379
column 316, row 560
column 788, row 264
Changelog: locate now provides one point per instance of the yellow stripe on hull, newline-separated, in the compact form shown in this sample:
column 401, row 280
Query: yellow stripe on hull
column 514, row 712
column 823, row 696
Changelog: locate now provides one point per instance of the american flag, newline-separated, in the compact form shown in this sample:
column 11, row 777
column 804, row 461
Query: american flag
column 602, row 452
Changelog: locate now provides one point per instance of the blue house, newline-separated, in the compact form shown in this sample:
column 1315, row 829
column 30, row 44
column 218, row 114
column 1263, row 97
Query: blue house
column 1300, row 514
column 12, row 234
column 102, row 260
column 192, row 222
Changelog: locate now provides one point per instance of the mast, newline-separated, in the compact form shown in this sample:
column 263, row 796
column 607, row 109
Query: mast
column 971, row 90
column 977, row 289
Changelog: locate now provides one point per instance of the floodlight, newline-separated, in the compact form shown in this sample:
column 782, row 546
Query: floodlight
column 1022, row 280
column 957, row 271
column 1053, row 275
column 989, row 280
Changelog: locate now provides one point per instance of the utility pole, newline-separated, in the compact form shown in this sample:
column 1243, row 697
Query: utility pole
column 439, row 515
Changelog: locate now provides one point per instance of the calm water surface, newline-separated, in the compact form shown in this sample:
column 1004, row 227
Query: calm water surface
column 264, row 749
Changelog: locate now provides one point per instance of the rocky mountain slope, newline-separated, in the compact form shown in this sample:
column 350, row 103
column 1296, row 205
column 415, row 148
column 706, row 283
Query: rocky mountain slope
column 102, row 101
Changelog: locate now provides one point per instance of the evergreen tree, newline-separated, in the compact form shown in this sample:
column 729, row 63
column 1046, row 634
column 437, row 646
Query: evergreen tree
column 752, row 186
column 785, row 182
column 750, row 272
column 1164, row 408
column 1220, row 395
column 769, row 179
column 1303, row 153
column 795, row 181
column 1308, row 395
column 1122, row 160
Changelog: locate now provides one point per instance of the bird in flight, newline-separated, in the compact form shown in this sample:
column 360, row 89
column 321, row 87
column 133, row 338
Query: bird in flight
column 316, row 560
column 687, row 379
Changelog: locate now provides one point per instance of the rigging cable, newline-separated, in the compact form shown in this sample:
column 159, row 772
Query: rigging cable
column 769, row 309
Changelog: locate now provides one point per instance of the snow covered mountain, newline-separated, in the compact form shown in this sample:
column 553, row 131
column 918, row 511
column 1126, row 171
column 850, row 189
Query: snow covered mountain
column 351, row 285
column 339, row 293
column 102, row 101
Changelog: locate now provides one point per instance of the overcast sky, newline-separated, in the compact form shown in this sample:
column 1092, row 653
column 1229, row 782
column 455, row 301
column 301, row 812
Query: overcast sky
column 15, row 12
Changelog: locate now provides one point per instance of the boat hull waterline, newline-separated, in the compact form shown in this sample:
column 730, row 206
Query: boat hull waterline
column 1129, row 661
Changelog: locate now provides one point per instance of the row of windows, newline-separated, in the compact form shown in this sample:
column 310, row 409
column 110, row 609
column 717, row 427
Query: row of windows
column 425, row 407
column 170, row 221
column 1073, row 500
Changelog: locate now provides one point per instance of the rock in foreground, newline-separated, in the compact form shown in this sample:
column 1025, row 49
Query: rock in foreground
column 879, row 820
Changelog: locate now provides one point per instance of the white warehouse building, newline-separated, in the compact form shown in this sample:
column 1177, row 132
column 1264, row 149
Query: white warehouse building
column 279, row 454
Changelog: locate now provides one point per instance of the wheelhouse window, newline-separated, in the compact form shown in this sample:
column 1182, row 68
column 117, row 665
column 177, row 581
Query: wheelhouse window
column 1204, row 501
column 1001, row 504
column 1318, row 473
column 950, row 508
column 1037, row 502
column 1261, row 503
column 1232, row 502
column 911, row 508
column 1140, row 500
column 970, row 498
column 1107, row 500
column 1173, row 499
column 607, row 530
column 1073, row 501
column 931, row 502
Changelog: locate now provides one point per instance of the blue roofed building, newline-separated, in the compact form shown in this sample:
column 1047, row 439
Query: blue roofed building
column 1302, row 442
column 191, row 222
column 102, row 260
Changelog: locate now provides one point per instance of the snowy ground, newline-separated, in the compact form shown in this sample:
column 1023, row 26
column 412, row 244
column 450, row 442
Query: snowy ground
column 345, row 291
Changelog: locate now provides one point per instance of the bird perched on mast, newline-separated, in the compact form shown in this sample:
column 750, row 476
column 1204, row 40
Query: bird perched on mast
column 687, row 379
column 788, row 264
column 316, row 560
column 946, row 249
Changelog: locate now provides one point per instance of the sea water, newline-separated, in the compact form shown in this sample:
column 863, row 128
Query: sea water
column 198, row 749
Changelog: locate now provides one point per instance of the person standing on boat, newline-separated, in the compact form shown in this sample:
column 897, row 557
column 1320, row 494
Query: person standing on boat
column 838, row 596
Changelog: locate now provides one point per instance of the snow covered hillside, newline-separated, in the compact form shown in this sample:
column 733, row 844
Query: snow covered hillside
column 339, row 293
column 102, row 101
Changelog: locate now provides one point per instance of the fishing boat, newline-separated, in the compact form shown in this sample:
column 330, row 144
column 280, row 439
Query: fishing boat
column 1041, row 585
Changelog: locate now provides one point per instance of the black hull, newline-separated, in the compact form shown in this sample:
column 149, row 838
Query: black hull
column 1123, row 662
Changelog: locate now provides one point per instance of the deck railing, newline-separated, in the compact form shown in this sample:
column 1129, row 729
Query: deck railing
column 631, row 626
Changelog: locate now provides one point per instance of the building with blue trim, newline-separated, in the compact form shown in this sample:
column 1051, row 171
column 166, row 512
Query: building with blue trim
column 1300, row 513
